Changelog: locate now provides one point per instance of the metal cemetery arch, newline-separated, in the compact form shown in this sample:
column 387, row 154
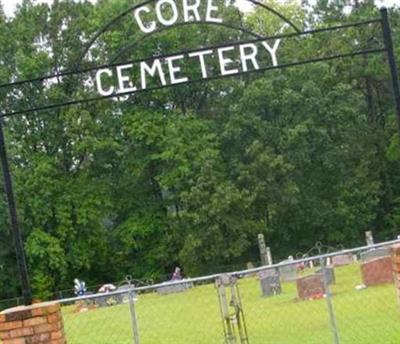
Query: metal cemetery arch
column 105, row 69
column 133, row 8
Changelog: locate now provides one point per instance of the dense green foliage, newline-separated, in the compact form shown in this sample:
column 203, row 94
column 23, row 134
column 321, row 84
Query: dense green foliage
column 190, row 175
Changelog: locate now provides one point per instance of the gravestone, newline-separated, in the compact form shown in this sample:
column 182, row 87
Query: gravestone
column 174, row 288
column 265, row 258
column 342, row 259
column 369, row 238
column 269, row 255
column 288, row 273
column 101, row 301
column 329, row 273
column 270, row 282
column 377, row 271
column 374, row 253
column 250, row 266
column 310, row 287
column 124, row 298
column 105, row 300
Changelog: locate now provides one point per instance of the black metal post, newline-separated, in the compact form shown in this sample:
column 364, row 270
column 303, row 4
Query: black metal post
column 19, row 246
column 387, row 38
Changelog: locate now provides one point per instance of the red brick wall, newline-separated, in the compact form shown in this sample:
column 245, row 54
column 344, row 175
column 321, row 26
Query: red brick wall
column 37, row 324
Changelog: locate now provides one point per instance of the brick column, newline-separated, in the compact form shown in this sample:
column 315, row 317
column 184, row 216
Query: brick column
column 396, row 268
column 36, row 324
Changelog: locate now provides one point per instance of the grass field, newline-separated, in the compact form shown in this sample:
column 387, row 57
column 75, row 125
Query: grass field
column 370, row 316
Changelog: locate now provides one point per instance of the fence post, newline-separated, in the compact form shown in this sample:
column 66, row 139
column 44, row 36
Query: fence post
column 329, row 303
column 395, row 252
column 388, row 41
column 229, row 300
column 131, row 296
column 220, row 282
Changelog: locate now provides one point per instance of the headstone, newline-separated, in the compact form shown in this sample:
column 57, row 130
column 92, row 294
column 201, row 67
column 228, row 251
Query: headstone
column 288, row 273
column 173, row 288
column 101, row 301
column 342, row 259
column 263, row 250
column 270, row 282
column 124, row 298
column 369, row 238
column 250, row 266
column 329, row 261
column 374, row 253
column 105, row 300
column 269, row 256
column 310, row 287
column 329, row 274
column 377, row 271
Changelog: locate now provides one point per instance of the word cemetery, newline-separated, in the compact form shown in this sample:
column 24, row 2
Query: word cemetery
column 178, row 68
column 229, row 60
column 202, row 63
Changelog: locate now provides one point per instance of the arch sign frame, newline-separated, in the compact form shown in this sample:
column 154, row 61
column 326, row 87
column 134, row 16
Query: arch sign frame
column 116, row 80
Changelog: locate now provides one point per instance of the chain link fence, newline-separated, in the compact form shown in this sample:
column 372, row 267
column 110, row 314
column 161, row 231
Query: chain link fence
column 9, row 303
column 342, row 297
column 337, row 297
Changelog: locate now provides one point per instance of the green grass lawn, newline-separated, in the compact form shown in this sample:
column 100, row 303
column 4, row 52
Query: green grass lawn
column 369, row 316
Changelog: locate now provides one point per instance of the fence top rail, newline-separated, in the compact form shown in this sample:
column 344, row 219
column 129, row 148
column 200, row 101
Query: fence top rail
column 234, row 273
column 318, row 257
column 273, row 266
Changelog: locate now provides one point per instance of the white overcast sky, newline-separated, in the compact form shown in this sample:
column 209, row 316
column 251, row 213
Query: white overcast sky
column 10, row 5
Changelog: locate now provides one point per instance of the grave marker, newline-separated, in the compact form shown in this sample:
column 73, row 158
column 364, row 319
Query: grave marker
column 374, row 253
column 369, row 238
column 288, row 273
column 310, row 287
column 377, row 271
column 264, row 256
column 270, row 282
column 329, row 273
column 174, row 288
column 342, row 259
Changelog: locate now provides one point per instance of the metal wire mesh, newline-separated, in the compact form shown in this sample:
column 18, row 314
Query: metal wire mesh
column 282, row 317
column 100, row 319
column 179, row 313
column 365, row 300
column 341, row 297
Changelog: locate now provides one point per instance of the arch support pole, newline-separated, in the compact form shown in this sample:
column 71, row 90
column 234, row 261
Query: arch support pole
column 387, row 38
column 16, row 230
